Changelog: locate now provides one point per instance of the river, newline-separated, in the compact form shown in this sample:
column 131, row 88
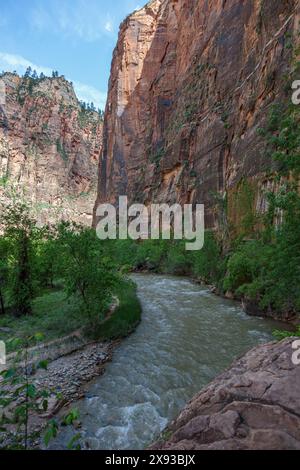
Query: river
column 186, row 338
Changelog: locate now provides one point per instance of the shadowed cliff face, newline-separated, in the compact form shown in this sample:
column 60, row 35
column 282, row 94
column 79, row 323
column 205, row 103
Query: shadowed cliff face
column 191, row 83
column 49, row 148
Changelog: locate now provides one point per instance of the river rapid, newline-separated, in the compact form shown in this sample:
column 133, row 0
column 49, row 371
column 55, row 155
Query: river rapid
column 186, row 338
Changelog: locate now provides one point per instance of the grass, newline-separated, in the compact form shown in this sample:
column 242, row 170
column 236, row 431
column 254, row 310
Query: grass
column 279, row 335
column 125, row 318
column 55, row 315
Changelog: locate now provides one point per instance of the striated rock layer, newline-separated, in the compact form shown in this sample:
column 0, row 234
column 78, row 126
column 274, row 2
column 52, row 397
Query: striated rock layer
column 253, row 405
column 49, row 148
column 191, row 83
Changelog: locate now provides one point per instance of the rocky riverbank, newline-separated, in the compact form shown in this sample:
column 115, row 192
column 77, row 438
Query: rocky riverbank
column 253, row 405
column 65, row 379
column 68, row 375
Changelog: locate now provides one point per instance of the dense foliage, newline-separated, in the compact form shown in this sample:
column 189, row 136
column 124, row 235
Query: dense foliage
column 267, row 269
column 65, row 268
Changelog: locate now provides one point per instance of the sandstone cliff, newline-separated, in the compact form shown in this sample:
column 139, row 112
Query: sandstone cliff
column 49, row 148
column 191, row 83
column 253, row 405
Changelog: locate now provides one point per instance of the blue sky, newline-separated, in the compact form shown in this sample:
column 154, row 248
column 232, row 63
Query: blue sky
column 75, row 37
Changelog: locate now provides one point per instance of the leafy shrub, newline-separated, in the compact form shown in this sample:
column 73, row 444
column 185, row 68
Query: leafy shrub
column 126, row 316
column 209, row 263
column 177, row 261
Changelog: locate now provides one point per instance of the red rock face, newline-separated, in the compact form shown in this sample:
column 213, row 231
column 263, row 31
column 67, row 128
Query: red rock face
column 254, row 405
column 49, row 148
column 191, row 83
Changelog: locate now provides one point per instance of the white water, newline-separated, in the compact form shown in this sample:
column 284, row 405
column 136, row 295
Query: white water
column 186, row 338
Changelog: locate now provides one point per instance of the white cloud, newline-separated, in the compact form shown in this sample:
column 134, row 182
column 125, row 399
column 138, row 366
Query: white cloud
column 90, row 94
column 12, row 62
column 83, row 19
column 87, row 93
column 108, row 26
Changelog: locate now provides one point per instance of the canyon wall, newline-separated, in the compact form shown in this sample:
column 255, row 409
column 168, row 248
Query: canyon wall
column 49, row 148
column 191, row 84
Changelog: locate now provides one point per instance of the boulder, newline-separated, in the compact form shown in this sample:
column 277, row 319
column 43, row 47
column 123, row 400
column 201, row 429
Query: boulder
column 254, row 405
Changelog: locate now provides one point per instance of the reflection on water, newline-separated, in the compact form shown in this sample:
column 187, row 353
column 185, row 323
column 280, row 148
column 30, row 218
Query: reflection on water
column 186, row 338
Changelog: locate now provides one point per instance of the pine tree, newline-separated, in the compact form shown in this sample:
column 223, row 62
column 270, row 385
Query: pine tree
column 28, row 72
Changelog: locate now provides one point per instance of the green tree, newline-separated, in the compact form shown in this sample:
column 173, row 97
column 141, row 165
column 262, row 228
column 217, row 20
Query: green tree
column 4, row 272
column 208, row 263
column 46, row 260
column 28, row 72
column 86, row 270
column 20, row 229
